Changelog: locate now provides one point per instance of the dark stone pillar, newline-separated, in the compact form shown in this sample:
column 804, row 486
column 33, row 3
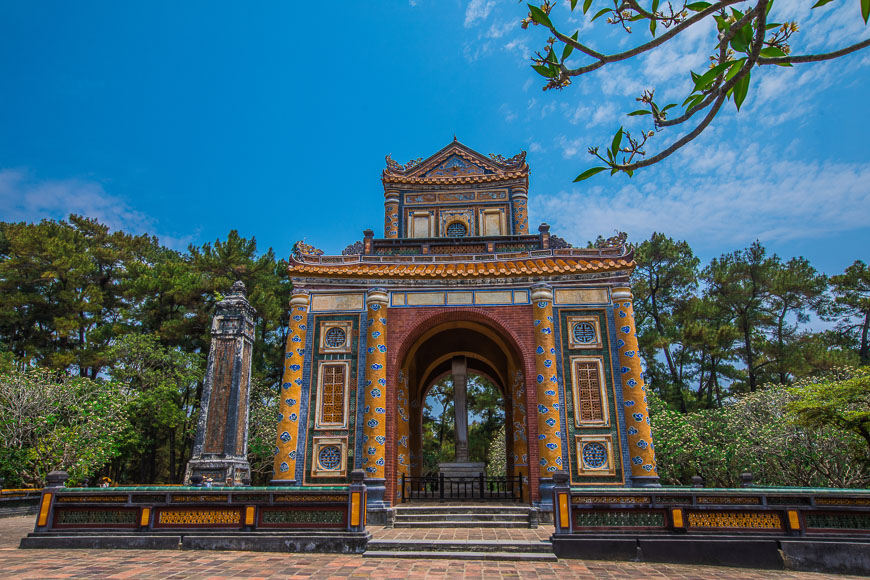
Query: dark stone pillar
column 221, row 446
column 460, row 408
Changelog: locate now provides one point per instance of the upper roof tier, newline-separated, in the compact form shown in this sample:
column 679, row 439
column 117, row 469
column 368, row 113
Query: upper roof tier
column 456, row 164
column 456, row 193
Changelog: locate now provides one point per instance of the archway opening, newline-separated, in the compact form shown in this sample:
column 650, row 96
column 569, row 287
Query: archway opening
column 492, row 370
column 486, row 424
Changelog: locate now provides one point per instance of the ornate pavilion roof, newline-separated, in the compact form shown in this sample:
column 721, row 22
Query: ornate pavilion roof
column 456, row 164
column 499, row 265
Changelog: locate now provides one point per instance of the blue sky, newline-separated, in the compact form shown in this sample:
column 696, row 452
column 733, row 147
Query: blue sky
column 188, row 119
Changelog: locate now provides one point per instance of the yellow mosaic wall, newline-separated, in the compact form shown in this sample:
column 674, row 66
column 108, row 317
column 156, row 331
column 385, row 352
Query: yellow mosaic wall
column 291, row 390
column 375, row 398
column 547, row 382
column 637, row 422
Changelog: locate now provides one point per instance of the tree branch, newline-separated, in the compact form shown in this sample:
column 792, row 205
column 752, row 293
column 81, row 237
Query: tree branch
column 815, row 57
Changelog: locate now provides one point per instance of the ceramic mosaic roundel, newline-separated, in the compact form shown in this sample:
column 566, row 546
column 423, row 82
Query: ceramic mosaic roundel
column 584, row 333
column 456, row 230
column 594, row 455
column 329, row 457
column 335, row 337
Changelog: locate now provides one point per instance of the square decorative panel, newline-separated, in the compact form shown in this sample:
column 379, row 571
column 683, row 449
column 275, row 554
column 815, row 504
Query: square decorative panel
column 595, row 455
column 584, row 332
column 335, row 336
column 329, row 457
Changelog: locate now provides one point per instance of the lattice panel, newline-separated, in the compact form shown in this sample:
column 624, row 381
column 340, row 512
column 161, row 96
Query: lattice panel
column 838, row 521
column 728, row 499
column 620, row 519
column 68, row 517
column 755, row 520
column 275, row 517
column 588, row 391
column 200, row 517
column 609, row 499
column 332, row 395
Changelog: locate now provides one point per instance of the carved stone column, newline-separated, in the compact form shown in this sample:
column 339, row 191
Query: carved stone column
column 220, row 448
column 547, row 383
column 640, row 443
column 460, row 408
column 375, row 396
column 289, row 404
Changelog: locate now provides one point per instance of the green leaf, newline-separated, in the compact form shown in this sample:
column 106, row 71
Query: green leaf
column 601, row 12
column 544, row 71
column 772, row 52
column 539, row 16
column 865, row 10
column 586, row 5
column 551, row 57
column 617, row 141
column 740, row 90
column 568, row 48
column 655, row 6
column 669, row 107
column 708, row 77
column 698, row 6
column 589, row 173
column 652, row 26
column 639, row 112
column 573, row 4
column 736, row 67
column 821, row 3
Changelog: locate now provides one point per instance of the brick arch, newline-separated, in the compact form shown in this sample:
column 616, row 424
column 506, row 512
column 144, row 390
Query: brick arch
column 479, row 315
column 513, row 324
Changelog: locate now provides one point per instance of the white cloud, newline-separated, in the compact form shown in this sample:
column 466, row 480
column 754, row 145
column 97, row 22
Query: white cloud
column 720, row 196
column 571, row 147
column 25, row 198
column 477, row 10
column 509, row 114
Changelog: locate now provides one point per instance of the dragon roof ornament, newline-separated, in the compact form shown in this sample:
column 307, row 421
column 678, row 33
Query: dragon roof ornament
column 394, row 167
column 514, row 162
column 300, row 248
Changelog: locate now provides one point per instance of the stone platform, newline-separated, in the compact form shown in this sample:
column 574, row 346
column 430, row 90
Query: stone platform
column 20, row 564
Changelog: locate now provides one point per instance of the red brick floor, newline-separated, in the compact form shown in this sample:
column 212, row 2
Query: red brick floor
column 146, row 564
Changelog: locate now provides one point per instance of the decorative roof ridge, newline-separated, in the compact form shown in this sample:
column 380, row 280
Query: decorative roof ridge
column 515, row 165
column 623, row 253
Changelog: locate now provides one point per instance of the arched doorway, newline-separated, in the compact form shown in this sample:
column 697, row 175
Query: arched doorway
column 431, row 354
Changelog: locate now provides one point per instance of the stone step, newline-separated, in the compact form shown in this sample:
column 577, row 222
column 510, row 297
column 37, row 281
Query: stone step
column 512, row 546
column 463, row 510
column 507, row 556
column 455, row 524
column 455, row 517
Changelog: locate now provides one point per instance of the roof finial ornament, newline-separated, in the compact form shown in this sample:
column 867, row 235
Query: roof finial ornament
column 454, row 137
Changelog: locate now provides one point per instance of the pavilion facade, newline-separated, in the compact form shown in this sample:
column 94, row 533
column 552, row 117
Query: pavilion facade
column 458, row 285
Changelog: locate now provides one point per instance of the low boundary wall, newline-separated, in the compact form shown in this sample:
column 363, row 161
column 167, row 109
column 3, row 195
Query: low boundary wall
column 795, row 528
column 322, row 519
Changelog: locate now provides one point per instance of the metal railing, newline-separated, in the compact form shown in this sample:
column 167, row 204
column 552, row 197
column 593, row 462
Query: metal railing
column 443, row 488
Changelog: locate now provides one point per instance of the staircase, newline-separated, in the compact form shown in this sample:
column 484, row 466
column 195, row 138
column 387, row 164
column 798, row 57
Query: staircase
column 510, row 550
column 466, row 516
column 463, row 545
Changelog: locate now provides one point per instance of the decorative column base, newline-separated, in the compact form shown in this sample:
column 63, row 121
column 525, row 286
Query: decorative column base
column 546, row 489
column 376, row 488
column 645, row 481
column 238, row 470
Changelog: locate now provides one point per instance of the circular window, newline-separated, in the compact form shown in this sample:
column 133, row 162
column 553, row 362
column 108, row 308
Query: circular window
column 335, row 337
column 329, row 457
column 456, row 230
column 594, row 455
column 584, row 333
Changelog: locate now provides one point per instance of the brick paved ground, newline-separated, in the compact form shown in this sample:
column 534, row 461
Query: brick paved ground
column 146, row 564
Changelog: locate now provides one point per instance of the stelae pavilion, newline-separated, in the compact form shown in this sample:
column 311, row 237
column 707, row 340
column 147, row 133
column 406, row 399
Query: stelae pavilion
column 456, row 285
